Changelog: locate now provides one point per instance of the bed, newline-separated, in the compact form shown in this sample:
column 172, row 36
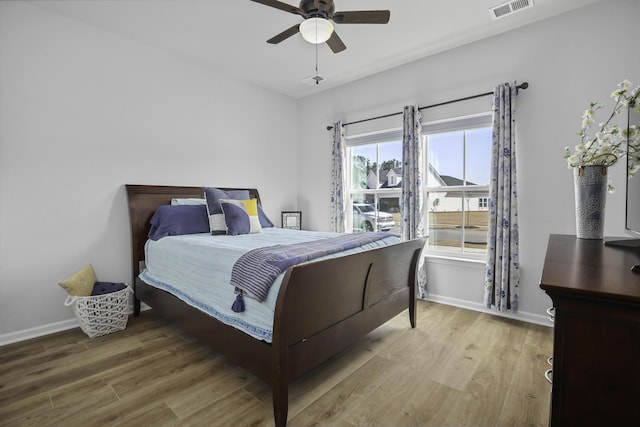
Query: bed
column 348, row 296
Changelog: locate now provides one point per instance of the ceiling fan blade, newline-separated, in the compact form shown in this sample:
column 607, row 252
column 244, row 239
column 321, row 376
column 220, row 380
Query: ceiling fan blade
column 335, row 43
column 362, row 17
column 284, row 35
column 282, row 6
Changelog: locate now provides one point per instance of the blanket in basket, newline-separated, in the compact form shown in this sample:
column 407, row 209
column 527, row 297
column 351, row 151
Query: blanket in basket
column 254, row 272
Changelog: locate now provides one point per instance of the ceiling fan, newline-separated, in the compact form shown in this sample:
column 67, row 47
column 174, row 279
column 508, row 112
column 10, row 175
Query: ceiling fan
column 318, row 14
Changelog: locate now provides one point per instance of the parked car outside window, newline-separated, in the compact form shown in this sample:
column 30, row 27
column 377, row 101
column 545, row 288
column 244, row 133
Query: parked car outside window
column 366, row 218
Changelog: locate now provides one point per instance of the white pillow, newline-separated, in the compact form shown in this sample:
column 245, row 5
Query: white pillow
column 188, row 201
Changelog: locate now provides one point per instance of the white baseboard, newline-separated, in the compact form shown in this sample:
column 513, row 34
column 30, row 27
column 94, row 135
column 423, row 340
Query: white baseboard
column 39, row 331
column 521, row 315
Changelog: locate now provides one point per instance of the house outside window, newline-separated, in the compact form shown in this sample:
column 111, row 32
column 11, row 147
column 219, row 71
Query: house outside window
column 375, row 177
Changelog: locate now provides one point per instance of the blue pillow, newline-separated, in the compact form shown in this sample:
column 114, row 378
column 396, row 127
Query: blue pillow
column 241, row 216
column 265, row 222
column 175, row 220
column 102, row 288
column 213, row 197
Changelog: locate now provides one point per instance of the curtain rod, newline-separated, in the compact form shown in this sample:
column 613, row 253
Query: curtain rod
column 523, row 85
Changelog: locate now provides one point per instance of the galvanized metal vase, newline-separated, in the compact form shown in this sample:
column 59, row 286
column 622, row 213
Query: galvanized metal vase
column 591, row 195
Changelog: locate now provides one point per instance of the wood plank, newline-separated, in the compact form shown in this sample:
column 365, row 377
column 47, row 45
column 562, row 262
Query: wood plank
column 225, row 379
column 528, row 396
column 159, row 415
column 479, row 404
column 345, row 396
column 238, row 409
column 80, row 397
column 24, row 408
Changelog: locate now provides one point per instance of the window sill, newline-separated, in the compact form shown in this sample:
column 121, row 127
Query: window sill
column 449, row 258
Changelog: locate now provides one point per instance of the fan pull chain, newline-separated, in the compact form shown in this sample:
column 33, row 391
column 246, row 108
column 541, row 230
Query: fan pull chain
column 317, row 74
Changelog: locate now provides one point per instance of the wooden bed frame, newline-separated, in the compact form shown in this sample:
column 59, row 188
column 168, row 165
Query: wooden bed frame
column 322, row 307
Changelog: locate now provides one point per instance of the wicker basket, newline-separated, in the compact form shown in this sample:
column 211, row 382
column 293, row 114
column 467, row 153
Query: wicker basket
column 102, row 314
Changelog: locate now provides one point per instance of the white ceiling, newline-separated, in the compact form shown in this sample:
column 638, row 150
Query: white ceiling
column 229, row 36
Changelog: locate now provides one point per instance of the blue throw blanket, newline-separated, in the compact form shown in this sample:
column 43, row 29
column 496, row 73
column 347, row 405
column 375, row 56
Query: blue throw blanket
column 255, row 271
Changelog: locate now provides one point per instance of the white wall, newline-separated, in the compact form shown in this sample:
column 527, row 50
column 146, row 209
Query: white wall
column 83, row 112
column 568, row 61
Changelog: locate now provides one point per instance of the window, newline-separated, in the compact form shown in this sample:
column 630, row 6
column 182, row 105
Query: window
column 375, row 176
column 457, row 185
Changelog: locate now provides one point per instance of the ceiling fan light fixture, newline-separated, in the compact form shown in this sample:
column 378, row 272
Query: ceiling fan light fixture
column 316, row 30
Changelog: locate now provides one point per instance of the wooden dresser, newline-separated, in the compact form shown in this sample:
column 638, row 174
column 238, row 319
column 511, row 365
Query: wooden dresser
column 596, row 354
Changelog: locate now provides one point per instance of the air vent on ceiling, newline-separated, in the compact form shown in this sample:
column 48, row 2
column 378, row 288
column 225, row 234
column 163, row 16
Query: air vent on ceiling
column 314, row 80
column 509, row 7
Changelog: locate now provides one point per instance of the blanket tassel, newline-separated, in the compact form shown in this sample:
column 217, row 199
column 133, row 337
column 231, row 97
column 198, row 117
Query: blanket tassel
column 238, row 304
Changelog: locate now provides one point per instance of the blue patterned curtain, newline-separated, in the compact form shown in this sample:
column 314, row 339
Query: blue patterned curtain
column 502, row 277
column 411, row 201
column 338, row 180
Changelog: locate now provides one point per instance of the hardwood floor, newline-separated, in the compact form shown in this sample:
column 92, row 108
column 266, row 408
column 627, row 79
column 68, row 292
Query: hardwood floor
column 457, row 368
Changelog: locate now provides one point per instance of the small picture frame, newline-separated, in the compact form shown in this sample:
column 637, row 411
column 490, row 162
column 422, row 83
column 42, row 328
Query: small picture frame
column 292, row 220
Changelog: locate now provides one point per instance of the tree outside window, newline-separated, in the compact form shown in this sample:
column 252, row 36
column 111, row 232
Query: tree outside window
column 376, row 185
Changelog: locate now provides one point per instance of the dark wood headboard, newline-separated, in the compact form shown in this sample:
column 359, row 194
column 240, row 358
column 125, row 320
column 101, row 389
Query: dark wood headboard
column 143, row 202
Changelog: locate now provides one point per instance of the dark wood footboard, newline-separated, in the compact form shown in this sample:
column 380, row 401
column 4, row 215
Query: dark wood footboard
column 322, row 307
column 326, row 306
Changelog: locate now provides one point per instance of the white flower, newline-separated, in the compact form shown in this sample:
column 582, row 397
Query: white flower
column 608, row 143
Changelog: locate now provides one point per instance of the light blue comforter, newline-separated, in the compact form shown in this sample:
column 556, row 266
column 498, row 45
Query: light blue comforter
column 197, row 269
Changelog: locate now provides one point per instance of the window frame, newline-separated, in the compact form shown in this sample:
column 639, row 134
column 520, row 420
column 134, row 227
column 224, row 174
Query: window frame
column 372, row 138
column 463, row 123
column 452, row 124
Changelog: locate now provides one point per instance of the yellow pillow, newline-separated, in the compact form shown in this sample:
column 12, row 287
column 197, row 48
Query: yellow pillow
column 81, row 283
